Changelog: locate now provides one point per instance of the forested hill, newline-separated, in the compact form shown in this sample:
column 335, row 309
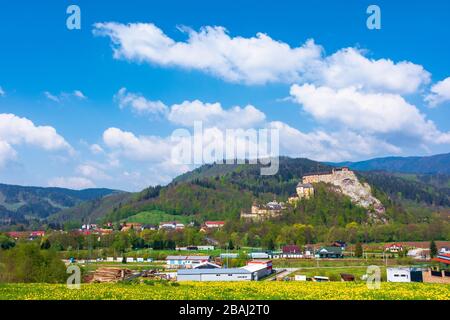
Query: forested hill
column 222, row 191
column 437, row 164
column 21, row 204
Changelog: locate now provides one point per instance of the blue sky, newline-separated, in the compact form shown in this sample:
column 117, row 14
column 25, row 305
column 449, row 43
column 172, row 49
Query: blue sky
column 352, row 94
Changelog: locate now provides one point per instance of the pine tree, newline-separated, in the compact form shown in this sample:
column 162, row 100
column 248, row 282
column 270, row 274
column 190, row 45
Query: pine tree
column 433, row 249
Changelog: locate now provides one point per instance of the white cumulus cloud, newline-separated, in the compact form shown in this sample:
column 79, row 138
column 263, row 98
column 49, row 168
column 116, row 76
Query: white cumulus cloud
column 142, row 148
column 440, row 93
column 350, row 68
column 260, row 59
column 254, row 60
column 16, row 131
column 380, row 113
column 212, row 115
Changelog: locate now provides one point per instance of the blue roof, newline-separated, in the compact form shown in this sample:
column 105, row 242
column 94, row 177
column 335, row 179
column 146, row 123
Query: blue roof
column 213, row 271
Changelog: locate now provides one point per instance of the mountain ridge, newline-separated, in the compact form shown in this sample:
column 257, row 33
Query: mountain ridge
column 435, row 164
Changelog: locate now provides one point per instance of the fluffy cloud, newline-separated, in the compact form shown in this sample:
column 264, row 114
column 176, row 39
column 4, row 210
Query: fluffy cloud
column 380, row 113
column 255, row 60
column 440, row 93
column 349, row 67
column 142, row 148
column 212, row 114
column 21, row 131
column 77, row 183
column 323, row 146
column 188, row 112
column 138, row 103
column 260, row 59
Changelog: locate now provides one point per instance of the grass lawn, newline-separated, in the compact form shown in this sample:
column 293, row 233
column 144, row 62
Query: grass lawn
column 272, row 290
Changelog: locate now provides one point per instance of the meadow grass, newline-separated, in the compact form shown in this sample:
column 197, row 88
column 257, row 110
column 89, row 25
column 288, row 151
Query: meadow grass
column 267, row 290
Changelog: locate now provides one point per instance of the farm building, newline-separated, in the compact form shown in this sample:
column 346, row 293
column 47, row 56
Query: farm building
column 177, row 262
column 229, row 256
column 225, row 274
column 330, row 253
column 255, row 270
column 262, row 268
column 259, row 255
column 404, row 274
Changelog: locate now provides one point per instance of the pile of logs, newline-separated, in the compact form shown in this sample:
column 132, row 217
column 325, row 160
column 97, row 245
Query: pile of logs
column 110, row 274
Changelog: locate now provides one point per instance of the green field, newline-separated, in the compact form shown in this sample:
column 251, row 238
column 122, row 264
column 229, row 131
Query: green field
column 156, row 216
column 271, row 290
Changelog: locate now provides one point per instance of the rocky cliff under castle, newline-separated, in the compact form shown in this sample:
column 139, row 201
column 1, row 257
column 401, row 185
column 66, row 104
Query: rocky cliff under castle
column 348, row 184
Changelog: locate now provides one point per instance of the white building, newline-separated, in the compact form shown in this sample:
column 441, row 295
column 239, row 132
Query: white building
column 177, row 262
column 398, row 274
column 171, row 226
column 255, row 270
column 225, row 274
column 444, row 250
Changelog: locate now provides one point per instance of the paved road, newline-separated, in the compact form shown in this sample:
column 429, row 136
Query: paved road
column 285, row 273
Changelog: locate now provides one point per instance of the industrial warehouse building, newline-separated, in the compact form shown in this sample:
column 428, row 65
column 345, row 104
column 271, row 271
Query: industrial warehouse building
column 255, row 270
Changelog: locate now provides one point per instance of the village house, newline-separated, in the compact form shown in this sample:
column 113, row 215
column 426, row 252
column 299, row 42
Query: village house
column 91, row 226
column 339, row 244
column 330, row 253
column 174, row 225
column 30, row 235
column 444, row 250
column 149, row 227
column 131, row 226
column 291, row 251
column 263, row 212
column 212, row 225
column 393, row 248
column 188, row 262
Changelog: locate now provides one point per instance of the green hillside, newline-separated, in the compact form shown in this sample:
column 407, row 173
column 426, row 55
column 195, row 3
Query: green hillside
column 31, row 205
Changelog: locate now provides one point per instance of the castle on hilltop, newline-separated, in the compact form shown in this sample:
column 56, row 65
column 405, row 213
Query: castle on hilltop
column 305, row 189
column 329, row 176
